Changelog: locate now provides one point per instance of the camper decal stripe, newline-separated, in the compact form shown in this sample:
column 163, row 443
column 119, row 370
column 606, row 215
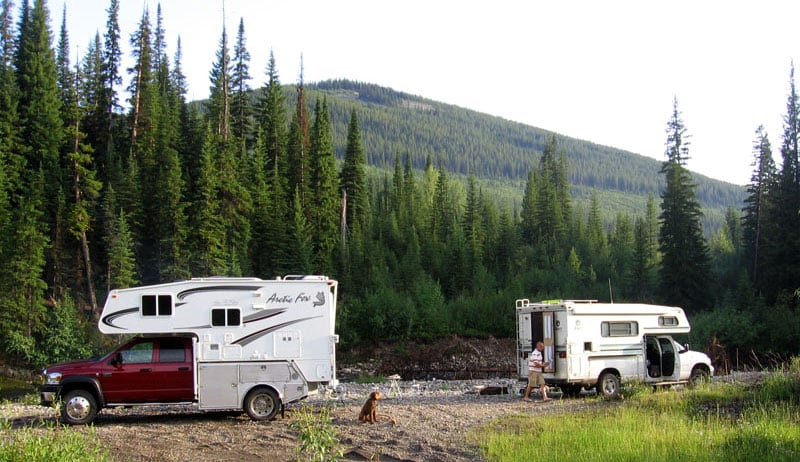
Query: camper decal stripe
column 109, row 319
column 264, row 315
column 255, row 335
column 185, row 293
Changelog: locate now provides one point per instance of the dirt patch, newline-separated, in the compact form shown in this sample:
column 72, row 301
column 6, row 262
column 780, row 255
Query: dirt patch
column 432, row 424
column 450, row 358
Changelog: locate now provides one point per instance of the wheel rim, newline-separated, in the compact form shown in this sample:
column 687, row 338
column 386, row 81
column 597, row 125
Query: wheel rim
column 78, row 407
column 609, row 386
column 262, row 405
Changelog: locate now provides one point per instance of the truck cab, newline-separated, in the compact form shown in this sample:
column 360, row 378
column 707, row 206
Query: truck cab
column 143, row 370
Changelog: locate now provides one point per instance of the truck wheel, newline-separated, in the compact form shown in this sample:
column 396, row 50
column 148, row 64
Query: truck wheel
column 79, row 407
column 698, row 376
column 261, row 404
column 608, row 385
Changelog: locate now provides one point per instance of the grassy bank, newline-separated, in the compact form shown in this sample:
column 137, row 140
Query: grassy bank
column 49, row 443
column 714, row 422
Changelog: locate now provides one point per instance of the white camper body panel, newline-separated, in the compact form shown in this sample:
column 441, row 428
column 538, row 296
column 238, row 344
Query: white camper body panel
column 247, row 331
column 584, row 339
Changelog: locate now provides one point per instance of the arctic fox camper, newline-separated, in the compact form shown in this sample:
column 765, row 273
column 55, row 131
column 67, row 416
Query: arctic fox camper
column 213, row 343
column 590, row 344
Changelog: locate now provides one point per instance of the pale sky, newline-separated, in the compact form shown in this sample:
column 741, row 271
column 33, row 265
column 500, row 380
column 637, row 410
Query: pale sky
column 603, row 71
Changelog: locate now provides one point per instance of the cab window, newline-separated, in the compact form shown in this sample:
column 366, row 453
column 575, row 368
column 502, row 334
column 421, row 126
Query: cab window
column 138, row 353
column 171, row 350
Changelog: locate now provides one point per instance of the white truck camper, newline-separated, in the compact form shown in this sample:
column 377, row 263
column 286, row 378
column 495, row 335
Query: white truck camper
column 590, row 344
column 257, row 344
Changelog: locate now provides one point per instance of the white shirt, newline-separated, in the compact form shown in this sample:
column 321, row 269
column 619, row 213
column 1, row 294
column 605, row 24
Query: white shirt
column 535, row 361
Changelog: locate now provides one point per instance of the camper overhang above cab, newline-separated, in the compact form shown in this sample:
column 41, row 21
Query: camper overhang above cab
column 652, row 319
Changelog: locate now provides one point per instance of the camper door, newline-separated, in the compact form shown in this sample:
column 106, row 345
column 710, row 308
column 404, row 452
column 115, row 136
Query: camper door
column 542, row 330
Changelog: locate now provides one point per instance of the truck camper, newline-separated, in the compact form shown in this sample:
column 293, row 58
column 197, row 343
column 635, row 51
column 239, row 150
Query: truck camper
column 590, row 344
column 212, row 343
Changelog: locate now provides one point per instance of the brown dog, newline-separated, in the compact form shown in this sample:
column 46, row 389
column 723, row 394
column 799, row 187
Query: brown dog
column 369, row 412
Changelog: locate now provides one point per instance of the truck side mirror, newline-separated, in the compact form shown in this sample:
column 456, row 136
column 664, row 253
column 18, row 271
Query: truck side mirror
column 117, row 360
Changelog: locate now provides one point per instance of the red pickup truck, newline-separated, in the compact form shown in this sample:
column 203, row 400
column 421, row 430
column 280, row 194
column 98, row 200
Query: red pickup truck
column 212, row 343
column 142, row 371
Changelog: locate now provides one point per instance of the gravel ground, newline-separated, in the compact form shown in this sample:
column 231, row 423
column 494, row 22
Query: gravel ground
column 432, row 422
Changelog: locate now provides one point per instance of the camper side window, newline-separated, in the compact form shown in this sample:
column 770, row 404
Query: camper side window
column 667, row 321
column 619, row 328
column 226, row 317
column 156, row 305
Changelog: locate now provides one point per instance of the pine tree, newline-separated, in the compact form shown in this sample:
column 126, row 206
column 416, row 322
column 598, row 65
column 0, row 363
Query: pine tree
column 552, row 208
column 324, row 188
column 273, row 123
column 352, row 179
column 302, row 251
column 597, row 252
column 219, row 101
column 40, row 119
column 235, row 207
column 685, row 271
column 757, row 204
column 118, row 240
column 298, row 145
column 241, row 111
column 528, row 224
column 272, row 126
column 109, row 158
column 622, row 245
column 260, row 257
column 84, row 185
column 211, row 257
column 782, row 226
column 22, row 311
column 472, row 224
column 10, row 160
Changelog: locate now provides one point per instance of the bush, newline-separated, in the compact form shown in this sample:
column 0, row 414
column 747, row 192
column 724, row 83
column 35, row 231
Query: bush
column 317, row 435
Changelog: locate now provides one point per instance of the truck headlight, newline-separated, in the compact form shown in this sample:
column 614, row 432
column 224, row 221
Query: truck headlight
column 53, row 378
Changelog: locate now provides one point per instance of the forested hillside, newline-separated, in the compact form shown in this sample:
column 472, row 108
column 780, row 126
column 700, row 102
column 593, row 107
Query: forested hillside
column 464, row 141
column 433, row 218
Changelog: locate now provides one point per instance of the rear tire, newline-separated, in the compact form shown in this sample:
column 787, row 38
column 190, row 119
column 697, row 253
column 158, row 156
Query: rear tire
column 262, row 403
column 608, row 386
column 79, row 407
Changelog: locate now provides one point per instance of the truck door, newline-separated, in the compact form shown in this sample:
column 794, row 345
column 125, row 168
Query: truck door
column 667, row 356
column 127, row 376
column 173, row 370
column 661, row 359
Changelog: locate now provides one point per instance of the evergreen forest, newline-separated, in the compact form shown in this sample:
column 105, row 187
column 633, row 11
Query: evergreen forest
column 433, row 218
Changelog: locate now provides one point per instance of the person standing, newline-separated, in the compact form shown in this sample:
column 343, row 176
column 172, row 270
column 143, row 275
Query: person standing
column 536, row 365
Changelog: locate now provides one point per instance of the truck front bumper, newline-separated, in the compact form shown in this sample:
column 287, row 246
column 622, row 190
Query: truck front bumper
column 48, row 394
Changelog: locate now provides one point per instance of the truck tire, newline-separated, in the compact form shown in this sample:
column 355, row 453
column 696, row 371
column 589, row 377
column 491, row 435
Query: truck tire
column 262, row 403
column 79, row 407
column 699, row 375
column 608, row 386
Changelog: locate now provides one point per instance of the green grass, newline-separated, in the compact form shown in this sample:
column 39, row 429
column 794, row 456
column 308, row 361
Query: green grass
column 50, row 443
column 713, row 422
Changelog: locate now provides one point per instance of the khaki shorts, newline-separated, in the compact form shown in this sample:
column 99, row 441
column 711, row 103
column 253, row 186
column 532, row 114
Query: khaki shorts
column 536, row 379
